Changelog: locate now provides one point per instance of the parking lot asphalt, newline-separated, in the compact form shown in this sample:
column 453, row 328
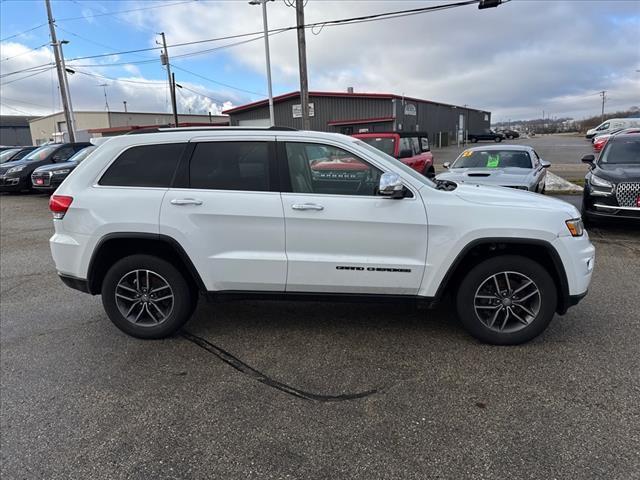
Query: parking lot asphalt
column 564, row 151
column 310, row 390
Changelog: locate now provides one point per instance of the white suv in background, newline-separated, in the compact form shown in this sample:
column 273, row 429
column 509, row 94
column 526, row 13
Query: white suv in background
column 153, row 219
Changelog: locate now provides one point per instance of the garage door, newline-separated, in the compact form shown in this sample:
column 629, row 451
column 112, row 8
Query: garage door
column 257, row 122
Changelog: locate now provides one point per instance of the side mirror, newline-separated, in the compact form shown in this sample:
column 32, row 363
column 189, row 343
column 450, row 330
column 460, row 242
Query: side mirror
column 590, row 159
column 545, row 164
column 406, row 153
column 446, row 164
column 391, row 185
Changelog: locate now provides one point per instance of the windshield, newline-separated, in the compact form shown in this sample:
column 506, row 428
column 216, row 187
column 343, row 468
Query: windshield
column 384, row 144
column 493, row 159
column 82, row 154
column 41, row 153
column 7, row 154
column 621, row 150
column 406, row 169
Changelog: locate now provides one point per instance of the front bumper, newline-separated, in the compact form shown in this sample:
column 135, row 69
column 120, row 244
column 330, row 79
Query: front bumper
column 578, row 258
column 599, row 205
column 12, row 184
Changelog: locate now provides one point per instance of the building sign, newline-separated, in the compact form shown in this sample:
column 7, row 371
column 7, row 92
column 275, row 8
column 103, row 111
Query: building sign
column 410, row 109
column 297, row 110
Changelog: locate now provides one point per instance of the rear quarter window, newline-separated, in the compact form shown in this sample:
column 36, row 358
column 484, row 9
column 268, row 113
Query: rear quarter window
column 144, row 166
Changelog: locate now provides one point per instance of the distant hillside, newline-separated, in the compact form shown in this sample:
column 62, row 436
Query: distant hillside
column 565, row 124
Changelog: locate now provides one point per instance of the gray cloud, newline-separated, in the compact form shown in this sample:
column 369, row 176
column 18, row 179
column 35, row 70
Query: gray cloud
column 516, row 60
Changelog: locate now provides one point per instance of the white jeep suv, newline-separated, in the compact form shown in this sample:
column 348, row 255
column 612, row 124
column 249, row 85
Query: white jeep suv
column 153, row 219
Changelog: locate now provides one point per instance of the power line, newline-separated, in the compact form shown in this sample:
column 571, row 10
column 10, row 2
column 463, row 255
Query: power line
column 183, row 55
column 25, row 77
column 217, row 100
column 215, row 81
column 26, row 103
column 159, row 83
column 23, row 32
column 29, row 69
column 342, row 21
column 14, row 108
column 24, row 53
column 118, row 12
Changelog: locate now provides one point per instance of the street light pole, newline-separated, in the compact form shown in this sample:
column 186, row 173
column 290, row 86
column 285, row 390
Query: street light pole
column 267, row 55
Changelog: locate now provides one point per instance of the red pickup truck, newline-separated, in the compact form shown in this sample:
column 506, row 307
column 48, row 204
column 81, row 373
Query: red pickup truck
column 411, row 148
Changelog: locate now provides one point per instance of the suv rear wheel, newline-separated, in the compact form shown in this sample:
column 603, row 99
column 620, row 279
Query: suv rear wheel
column 147, row 297
column 506, row 300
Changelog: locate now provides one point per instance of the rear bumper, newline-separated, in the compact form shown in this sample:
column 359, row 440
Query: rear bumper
column 76, row 283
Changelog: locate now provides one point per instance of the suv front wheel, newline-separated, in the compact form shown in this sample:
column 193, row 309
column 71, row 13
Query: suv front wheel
column 506, row 300
column 147, row 297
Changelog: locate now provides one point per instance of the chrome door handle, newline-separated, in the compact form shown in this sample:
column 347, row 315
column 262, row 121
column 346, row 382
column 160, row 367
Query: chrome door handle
column 307, row 206
column 186, row 201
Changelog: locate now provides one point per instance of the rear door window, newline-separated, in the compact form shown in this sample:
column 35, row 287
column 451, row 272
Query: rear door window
column 243, row 166
column 144, row 166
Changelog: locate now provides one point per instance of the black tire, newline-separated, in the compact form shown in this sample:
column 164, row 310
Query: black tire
column 182, row 305
column 473, row 140
column 466, row 300
column 498, row 139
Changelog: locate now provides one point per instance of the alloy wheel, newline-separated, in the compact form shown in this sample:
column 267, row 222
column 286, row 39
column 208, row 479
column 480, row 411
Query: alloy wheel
column 507, row 302
column 144, row 297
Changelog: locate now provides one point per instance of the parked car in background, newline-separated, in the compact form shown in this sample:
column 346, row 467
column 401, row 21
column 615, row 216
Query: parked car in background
column 514, row 166
column 13, row 154
column 612, row 185
column 600, row 141
column 611, row 125
column 240, row 213
column 509, row 134
column 16, row 176
column 411, row 148
column 49, row 177
column 486, row 134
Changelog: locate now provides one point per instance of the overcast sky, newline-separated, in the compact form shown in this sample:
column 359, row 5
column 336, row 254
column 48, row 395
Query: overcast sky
column 516, row 60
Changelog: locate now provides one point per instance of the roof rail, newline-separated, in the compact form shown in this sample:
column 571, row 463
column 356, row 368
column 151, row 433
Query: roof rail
column 163, row 128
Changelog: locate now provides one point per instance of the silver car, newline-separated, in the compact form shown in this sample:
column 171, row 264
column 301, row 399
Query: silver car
column 515, row 166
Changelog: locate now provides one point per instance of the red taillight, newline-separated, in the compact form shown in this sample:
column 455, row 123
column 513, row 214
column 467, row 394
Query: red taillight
column 59, row 204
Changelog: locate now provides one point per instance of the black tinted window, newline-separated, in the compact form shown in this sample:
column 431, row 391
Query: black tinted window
column 230, row 166
column 144, row 166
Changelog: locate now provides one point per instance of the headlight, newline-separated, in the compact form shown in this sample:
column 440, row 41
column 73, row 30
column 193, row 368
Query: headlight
column 16, row 169
column 575, row 226
column 600, row 182
column 60, row 172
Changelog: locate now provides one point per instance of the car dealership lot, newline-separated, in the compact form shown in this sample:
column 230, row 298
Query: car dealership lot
column 262, row 399
column 563, row 151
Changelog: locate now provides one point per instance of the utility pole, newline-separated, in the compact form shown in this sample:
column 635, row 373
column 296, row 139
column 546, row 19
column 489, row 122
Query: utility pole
column 106, row 101
column 267, row 55
column 603, row 94
column 174, row 104
column 302, row 61
column 164, row 59
column 62, row 76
